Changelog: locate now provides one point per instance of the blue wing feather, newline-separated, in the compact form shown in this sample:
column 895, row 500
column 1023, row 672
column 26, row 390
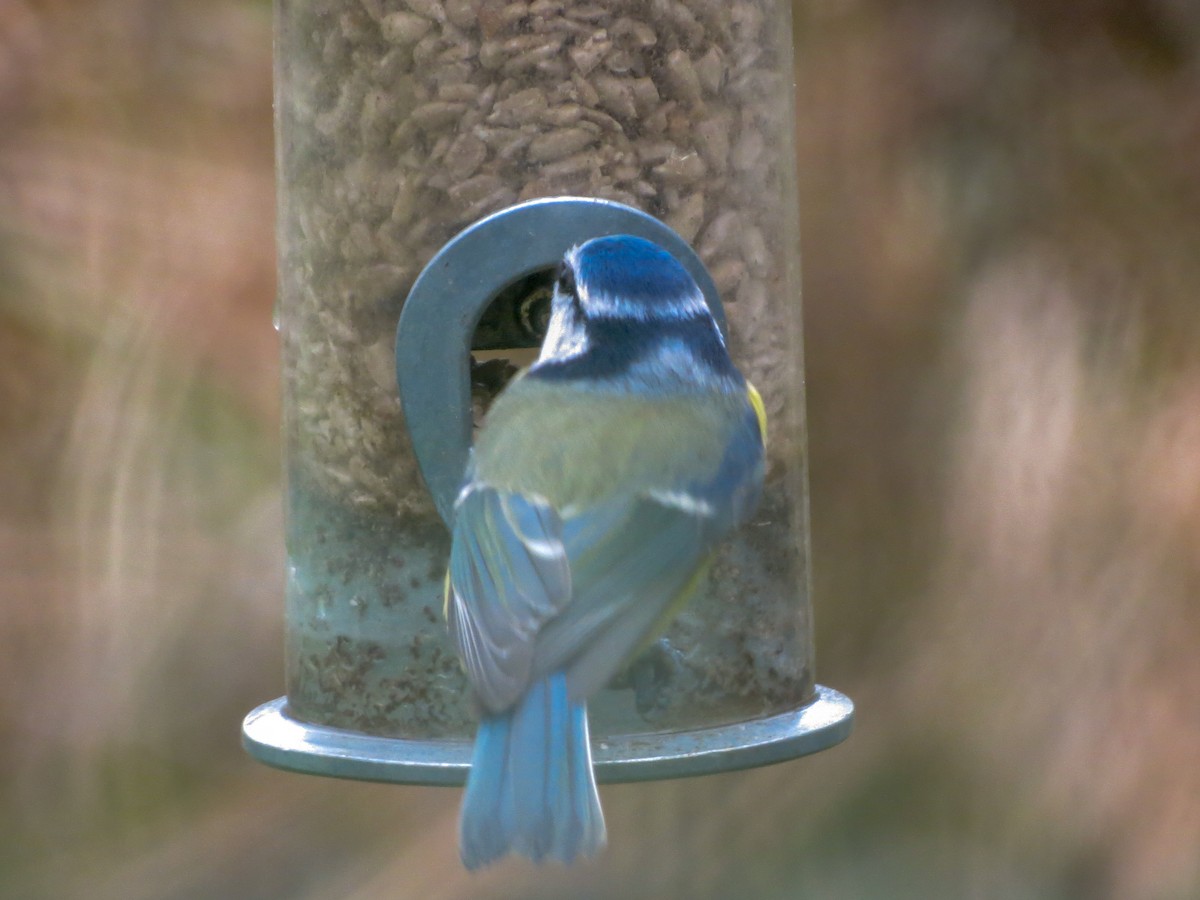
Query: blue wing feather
column 505, row 582
column 632, row 558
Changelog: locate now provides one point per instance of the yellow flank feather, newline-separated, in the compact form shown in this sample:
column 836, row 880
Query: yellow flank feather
column 759, row 410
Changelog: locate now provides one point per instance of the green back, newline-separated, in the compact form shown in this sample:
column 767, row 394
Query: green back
column 575, row 447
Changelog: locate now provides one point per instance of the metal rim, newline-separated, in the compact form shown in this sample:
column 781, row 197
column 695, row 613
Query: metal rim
column 455, row 287
column 273, row 737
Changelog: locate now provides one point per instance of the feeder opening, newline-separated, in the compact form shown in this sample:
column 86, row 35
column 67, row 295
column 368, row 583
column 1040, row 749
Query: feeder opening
column 508, row 336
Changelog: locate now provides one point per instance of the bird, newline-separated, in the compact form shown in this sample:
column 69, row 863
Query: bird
column 601, row 480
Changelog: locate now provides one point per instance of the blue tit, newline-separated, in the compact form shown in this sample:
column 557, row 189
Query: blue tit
column 599, row 484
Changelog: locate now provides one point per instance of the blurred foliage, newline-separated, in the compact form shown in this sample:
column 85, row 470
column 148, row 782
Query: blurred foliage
column 1001, row 210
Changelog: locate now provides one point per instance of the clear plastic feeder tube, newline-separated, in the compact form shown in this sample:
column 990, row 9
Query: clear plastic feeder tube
column 399, row 125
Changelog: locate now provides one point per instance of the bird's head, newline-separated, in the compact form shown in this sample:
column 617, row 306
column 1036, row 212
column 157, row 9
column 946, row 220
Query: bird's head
column 625, row 310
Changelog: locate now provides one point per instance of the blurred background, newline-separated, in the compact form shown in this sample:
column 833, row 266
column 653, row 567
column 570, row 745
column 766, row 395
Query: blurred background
column 1001, row 239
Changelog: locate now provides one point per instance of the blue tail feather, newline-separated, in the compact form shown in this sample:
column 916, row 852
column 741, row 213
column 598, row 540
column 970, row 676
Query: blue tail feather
column 531, row 790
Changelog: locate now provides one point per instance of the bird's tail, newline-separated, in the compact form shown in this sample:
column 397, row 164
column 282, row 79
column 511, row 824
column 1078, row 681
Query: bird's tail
column 531, row 790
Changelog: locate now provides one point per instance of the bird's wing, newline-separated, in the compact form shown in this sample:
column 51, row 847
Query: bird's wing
column 509, row 574
column 634, row 560
column 629, row 563
column 533, row 589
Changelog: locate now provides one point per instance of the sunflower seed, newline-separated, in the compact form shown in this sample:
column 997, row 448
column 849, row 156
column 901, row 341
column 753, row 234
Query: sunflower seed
column 472, row 189
column 712, row 140
column 721, row 232
column 633, row 33
column 727, row 274
column 555, row 145
column 460, row 13
column 585, row 12
column 680, row 169
column 710, row 70
column 588, row 54
column 430, row 9
column 748, row 150
column 616, row 95
column 755, row 252
column 404, row 28
column 437, row 114
column 519, row 108
column 464, row 157
column 645, row 96
column 687, row 215
column 679, row 78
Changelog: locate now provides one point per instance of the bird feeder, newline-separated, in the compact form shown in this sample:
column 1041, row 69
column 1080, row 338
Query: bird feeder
column 436, row 158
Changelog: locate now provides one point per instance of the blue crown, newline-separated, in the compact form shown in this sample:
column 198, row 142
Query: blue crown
column 626, row 276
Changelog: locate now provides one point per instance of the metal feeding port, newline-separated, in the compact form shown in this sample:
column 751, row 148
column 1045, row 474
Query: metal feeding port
column 483, row 291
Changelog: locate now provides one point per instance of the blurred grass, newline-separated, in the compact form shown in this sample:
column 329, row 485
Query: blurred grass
column 1001, row 213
